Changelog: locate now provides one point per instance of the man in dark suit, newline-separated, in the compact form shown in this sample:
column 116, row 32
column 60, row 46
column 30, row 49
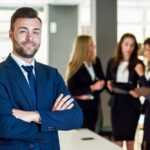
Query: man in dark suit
column 34, row 101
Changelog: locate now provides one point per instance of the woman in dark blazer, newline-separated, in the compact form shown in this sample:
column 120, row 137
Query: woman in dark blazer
column 85, row 79
column 125, row 108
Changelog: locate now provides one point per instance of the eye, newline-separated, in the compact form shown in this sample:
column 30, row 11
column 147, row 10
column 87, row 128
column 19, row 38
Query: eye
column 22, row 31
column 36, row 32
column 125, row 44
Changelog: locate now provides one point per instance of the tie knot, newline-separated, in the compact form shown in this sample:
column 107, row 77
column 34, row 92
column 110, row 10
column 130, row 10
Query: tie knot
column 28, row 69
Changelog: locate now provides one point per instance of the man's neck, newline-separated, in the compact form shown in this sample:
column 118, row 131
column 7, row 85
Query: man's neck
column 28, row 60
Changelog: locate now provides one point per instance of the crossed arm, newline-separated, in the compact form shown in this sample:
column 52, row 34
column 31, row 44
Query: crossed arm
column 65, row 115
column 61, row 103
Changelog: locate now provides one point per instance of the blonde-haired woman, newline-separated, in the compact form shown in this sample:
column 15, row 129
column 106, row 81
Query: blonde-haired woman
column 85, row 79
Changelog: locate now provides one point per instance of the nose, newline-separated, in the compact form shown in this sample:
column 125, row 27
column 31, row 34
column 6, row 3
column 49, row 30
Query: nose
column 29, row 36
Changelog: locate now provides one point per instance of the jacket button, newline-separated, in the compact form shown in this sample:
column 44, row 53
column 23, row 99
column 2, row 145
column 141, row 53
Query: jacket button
column 50, row 129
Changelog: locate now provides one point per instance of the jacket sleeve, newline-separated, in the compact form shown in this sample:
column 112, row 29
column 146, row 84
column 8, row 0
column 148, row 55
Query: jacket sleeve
column 99, row 72
column 109, row 69
column 13, row 128
column 61, row 120
column 109, row 74
column 143, row 81
column 75, row 89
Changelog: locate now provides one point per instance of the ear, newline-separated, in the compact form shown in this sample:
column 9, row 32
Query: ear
column 10, row 34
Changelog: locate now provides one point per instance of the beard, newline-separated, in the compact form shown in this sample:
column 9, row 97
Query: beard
column 22, row 51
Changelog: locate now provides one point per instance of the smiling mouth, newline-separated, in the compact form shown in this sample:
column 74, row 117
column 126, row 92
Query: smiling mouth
column 29, row 43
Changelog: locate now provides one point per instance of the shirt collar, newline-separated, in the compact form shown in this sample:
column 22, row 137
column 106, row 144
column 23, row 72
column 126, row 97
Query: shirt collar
column 21, row 62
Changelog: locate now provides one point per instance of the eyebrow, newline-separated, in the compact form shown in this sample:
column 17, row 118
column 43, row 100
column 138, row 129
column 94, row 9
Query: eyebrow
column 27, row 28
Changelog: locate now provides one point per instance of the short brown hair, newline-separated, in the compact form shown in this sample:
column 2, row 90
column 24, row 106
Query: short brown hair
column 24, row 12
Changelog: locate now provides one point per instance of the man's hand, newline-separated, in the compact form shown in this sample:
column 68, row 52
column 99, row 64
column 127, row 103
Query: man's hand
column 27, row 116
column 63, row 103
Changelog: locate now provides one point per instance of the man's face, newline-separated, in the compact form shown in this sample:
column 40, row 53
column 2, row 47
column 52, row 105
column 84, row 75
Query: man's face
column 26, row 37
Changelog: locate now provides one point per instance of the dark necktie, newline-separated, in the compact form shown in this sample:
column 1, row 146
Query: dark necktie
column 31, row 79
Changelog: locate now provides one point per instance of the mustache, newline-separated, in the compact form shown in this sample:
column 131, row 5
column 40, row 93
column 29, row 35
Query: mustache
column 28, row 42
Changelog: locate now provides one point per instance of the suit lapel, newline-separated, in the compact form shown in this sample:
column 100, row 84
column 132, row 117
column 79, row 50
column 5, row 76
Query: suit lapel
column 16, row 73
column 85, row 71
column 131, row 76
column 41, row 85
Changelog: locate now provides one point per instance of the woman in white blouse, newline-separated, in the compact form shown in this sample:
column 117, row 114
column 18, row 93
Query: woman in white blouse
column 122, row 76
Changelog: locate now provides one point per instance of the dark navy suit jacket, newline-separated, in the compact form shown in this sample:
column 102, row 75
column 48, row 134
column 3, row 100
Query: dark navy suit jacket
column 16, row 134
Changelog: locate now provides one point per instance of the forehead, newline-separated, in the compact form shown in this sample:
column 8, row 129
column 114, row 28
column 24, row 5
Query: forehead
column 147, row 47
column 128, row 39
column 90, row 40
column 30, row 23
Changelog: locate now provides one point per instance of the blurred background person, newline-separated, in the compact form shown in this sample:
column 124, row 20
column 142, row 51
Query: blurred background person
column 125, row 109
column 85, row 79
column 146, row 106
column 146, row 145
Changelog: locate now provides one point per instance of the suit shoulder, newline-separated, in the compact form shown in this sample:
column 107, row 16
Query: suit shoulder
column 111, row 60
column 2, row 70
column 98, row 59
column 110, row 63
column 46, row 67
column 2, row 63
column 2, row 66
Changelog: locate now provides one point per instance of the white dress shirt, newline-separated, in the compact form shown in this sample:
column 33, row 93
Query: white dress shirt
column 123, row 72
column 21, row 63
column 90, row 69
